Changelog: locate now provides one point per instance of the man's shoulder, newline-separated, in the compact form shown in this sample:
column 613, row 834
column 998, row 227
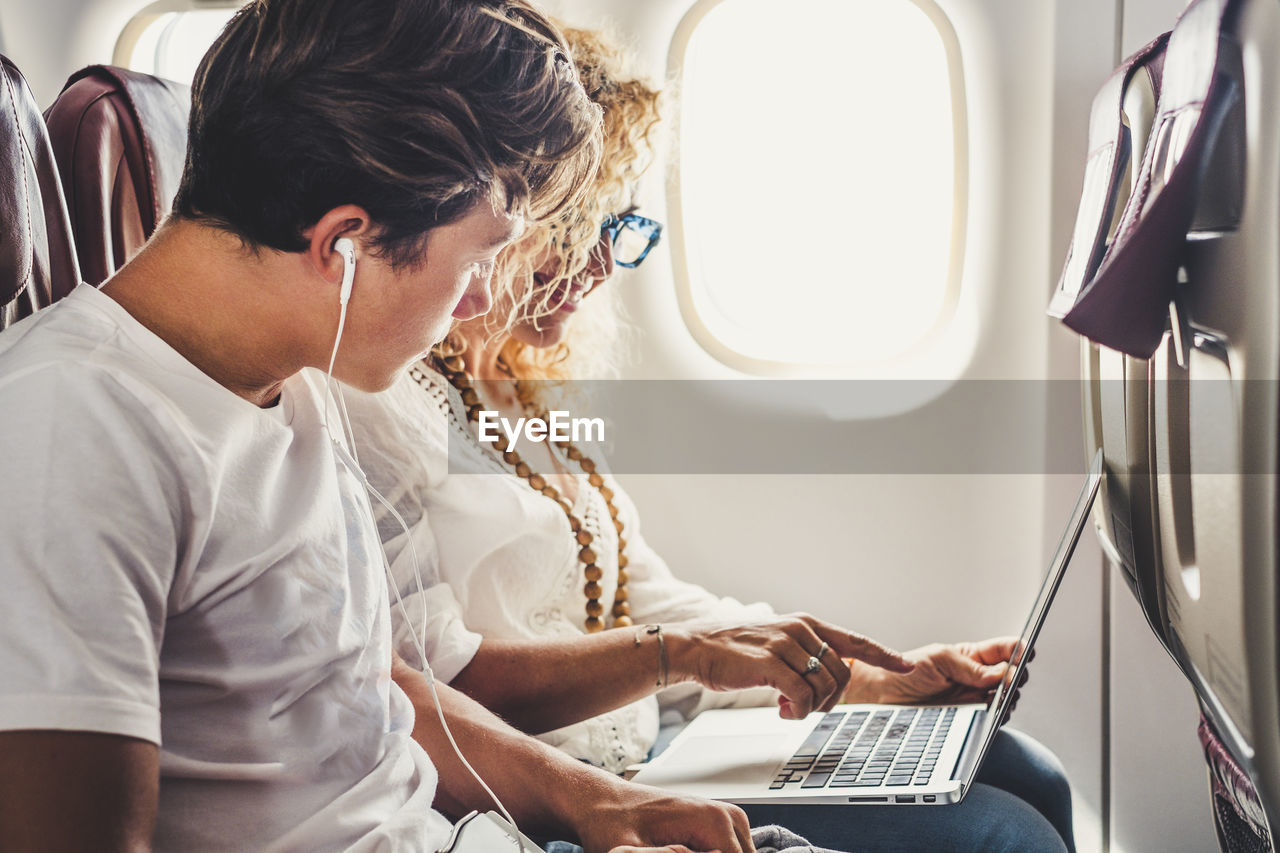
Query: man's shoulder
column 65, row 329
column 89, row 343
column 86, row 327
column 74, row 365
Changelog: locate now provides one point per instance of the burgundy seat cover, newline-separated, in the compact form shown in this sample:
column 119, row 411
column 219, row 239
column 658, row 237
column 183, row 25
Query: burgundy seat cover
column 120, row 140
column 37, row 256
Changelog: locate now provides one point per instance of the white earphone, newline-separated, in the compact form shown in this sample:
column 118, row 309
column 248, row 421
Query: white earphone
column 345, row 247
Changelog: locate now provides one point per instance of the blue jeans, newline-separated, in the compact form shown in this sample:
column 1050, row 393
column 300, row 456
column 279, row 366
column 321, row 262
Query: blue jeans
column 1020, row 804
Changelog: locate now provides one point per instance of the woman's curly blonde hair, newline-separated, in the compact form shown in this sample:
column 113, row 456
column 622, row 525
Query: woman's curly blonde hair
column 631, row 115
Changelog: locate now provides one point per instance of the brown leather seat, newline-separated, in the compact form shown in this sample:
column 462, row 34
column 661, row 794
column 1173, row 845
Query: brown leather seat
column 120, row 140
column 37, row 256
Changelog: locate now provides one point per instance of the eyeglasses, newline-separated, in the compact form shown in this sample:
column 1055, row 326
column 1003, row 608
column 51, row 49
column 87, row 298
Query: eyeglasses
column 632, row 236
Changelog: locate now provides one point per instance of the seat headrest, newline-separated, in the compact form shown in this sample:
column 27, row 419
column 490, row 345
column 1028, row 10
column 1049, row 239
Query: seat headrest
column 37, row 255
column 120, row 139
column 1198, row 129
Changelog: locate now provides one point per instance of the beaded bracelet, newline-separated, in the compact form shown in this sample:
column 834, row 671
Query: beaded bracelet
column 664, row 666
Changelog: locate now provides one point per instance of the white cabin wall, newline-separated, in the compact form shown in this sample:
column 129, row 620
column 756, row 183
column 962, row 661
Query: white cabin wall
column 50, row 39
column 912, row 559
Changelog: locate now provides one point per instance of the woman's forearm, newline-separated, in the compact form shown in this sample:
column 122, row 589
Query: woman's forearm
column 541, row 685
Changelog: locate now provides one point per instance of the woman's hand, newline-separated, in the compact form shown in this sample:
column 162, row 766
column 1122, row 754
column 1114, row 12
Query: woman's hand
column 943, row 673
column 777, row 654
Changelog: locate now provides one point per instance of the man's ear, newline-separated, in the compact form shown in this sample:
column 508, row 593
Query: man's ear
column 348, row 220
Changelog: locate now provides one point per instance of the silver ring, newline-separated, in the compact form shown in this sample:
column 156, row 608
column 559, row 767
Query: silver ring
column 822, row 650
column 813, row 665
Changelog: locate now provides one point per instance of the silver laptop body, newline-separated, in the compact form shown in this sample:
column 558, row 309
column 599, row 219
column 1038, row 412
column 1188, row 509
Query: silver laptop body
column 872, row 754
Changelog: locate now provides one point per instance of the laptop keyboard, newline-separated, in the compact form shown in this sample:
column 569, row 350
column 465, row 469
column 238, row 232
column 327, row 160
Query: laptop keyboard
column 865, row 749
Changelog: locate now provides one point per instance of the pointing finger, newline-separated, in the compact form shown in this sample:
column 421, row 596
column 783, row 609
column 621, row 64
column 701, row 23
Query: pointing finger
column 850, row 645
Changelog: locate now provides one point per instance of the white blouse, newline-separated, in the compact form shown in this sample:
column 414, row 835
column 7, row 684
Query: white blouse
column 498, row 559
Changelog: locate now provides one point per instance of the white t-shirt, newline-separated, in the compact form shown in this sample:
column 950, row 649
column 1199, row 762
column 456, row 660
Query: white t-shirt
column 183, row 567
column 499, row 559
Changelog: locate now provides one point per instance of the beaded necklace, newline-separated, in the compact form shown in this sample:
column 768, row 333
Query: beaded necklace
column 454, row 370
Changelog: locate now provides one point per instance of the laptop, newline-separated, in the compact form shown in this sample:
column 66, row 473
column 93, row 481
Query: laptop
column 873, row 754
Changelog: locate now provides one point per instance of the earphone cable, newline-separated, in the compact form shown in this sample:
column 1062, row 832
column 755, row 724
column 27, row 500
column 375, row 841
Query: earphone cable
column 419, row 638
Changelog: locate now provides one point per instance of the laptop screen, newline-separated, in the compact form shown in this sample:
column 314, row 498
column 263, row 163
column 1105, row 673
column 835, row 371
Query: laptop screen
column 1003, row 698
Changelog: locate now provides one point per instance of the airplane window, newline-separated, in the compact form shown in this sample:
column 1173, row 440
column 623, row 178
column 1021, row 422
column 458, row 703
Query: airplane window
column 819, row 179
column 170, row 44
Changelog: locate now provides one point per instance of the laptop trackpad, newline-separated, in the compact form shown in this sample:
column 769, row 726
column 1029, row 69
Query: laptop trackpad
column 722, row 758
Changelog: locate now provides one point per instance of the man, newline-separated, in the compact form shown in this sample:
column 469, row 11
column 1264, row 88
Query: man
column 194, row 641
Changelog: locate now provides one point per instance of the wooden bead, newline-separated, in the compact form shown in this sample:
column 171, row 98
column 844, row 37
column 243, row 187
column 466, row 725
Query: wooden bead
column 595, row 609
column 594, row 625
column 592, row 590
column 500, row 444
column 511, row 457
column 470, row 397
column 618, row 525
column 567, row 506
column 621, row 608
column 606, row 493
column 595, row 480
column 593, row 573
column 473, row 413
column 523, row 470
column 623, row 577
column 623, row 621
column 573, row 453
column 537, row 481
column 587, row 555
column 620, row 594
column 587, row 465
column 623, row 561
column 613, row 512
column 622, row 544
column 575, row 523
column 454, row 363
column 585, row 537
column 550, row 491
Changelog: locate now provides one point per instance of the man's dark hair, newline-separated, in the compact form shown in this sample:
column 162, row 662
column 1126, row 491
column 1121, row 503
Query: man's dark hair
column 414, row 110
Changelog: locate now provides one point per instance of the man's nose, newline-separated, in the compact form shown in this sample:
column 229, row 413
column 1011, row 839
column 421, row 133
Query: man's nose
column 476, row 300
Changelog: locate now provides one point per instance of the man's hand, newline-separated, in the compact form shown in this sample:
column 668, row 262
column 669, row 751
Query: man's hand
column 777, row 654
column 639, row 818
column 943, row 673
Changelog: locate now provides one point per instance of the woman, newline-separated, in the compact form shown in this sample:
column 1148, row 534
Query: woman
column 529, row 564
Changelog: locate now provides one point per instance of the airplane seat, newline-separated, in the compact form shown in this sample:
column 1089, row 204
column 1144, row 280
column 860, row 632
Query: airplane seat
column 120, row 139
column 37, row 255
column 1187, row 287
column 1117, row 384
